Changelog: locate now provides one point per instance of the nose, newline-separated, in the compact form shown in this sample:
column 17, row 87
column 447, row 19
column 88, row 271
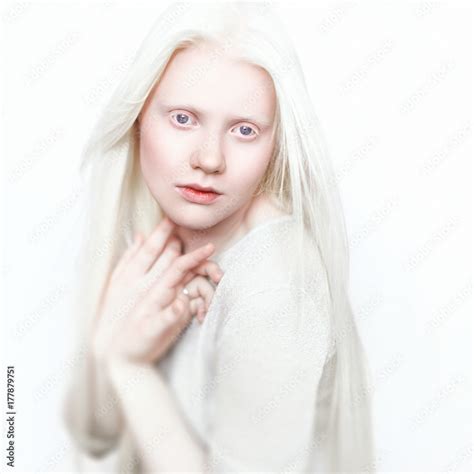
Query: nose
column 209, row 156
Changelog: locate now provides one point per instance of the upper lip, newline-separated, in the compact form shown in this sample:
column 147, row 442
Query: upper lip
column 199, row 187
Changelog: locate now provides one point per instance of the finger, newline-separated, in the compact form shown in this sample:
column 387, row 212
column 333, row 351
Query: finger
column 172, row 313
column 188, row 277
column 193, row 300
column 185, row 263
column 196, row 304
column 209, row 269
column 182, row 296
column 170, row 252
column 198, row 308
column 178, row 313
column 137, row 241
column 164, row 292
column 175, row 242
column 152, row 247
column 207, row 293
column 167, row 325
column 200, row 287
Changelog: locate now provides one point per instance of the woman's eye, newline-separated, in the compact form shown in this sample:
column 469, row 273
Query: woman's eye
column 182, row 119
column 246, row 131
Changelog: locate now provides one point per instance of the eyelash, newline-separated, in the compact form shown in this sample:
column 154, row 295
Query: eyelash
column 254, row 134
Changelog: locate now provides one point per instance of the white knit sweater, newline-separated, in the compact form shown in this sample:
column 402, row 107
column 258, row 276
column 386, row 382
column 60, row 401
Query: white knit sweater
column 251, row 384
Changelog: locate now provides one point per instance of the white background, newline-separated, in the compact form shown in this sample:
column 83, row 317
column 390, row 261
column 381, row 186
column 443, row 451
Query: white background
column 391, row 82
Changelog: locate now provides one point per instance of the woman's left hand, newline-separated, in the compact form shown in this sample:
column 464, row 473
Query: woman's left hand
column 200, row 292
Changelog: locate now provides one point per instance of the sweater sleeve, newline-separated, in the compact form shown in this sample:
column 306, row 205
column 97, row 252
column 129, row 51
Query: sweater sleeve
column 267, row 372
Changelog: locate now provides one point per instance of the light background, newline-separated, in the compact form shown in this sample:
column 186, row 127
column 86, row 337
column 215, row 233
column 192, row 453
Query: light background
column 391, row 82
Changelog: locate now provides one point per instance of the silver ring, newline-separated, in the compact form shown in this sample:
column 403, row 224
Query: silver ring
column 185, row 291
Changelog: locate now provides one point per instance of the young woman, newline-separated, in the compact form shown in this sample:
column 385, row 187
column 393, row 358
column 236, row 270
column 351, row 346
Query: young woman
column 240, row 355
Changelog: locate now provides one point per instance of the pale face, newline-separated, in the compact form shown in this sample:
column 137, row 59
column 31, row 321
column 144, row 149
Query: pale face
column 211, row 126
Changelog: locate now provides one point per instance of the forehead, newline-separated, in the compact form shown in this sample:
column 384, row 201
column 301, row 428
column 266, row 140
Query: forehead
column 209, row 79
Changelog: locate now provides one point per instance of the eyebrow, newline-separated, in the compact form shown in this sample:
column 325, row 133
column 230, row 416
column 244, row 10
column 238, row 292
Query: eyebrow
column 167, row 107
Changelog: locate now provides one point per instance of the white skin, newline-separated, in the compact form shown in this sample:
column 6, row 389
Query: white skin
column 210, row 148
column 224, row 139
column 143, row 309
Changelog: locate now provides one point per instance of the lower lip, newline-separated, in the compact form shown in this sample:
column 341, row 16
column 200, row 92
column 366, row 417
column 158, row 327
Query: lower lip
column 198, row 197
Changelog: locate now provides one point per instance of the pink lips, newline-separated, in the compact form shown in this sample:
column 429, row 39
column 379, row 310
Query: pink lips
column 197, row 196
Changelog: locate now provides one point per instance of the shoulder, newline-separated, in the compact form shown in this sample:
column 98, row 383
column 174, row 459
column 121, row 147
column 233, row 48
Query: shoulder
column 270, row 315
column 276, row 255
column 279, row 268
column 262, row 297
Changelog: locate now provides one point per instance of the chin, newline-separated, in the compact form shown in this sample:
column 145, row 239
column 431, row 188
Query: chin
column 194, row 218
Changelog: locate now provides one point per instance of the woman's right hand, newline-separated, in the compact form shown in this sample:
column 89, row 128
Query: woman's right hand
column 129, row 301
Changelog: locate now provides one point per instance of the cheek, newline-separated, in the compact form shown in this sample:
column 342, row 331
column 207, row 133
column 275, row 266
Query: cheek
column 247, row 163
column 159, row 156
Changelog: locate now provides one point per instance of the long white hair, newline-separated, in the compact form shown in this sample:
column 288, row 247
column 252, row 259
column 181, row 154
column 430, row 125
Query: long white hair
column 299, row 175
